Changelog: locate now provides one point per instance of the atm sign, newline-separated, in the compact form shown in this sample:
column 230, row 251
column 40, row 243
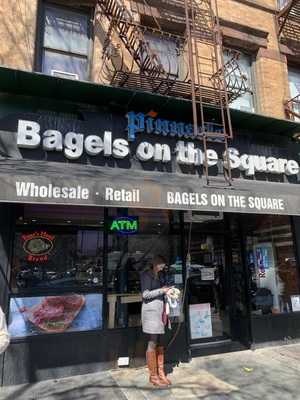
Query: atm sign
column 124, row 225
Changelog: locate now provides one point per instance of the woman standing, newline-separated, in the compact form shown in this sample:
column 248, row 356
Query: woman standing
column 154, row 289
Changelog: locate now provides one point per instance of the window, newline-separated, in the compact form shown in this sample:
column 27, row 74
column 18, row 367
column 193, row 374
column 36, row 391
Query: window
column 129, row 255
column 282, row 3
column 294, row 86
column 272, row 265
column 57, row 270
column 246, row 101
column 167, row 51
column 65, row 46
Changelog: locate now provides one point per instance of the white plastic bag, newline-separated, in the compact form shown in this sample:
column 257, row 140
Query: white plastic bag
column 174, row 305
column 4, row 335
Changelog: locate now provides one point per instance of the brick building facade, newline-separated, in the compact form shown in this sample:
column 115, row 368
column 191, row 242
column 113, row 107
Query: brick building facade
column 248, row 26
column 130, row 129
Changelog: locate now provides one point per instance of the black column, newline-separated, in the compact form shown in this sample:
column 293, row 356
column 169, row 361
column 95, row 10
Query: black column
column 296, row 233
column 7, row 225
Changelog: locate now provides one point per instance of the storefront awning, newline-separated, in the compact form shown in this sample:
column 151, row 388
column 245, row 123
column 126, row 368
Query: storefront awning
column 38, row 182
column 40, row 85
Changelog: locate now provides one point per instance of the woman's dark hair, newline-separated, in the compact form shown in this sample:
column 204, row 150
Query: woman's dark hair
column 158, row 260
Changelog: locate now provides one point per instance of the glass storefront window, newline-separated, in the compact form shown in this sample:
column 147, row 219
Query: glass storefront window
column 57, row 270
column 272, row 266
column 49, row 258
column 129, row 255
column 58, row 253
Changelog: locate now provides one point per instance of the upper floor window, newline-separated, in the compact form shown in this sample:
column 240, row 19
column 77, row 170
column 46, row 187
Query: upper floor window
column 246, row 101
column 65, row 45
column 167, row 51
column 294, row 86
column 294, row 82
column 282, row 3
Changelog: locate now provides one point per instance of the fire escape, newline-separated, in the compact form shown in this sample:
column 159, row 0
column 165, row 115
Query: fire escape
column 289, row 33
column 129, row 60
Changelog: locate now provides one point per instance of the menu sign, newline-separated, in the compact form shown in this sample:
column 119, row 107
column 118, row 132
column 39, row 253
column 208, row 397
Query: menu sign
column 200, row 320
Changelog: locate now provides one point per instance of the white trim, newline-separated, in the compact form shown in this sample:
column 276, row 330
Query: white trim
column 62, row 74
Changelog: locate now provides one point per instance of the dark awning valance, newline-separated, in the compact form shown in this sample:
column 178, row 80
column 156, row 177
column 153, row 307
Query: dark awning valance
column 39, row 85
column 60, row 183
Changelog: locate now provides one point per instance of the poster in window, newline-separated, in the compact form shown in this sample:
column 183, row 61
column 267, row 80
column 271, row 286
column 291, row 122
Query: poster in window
column 200, row 320
column 54, row 314
column 295, row 300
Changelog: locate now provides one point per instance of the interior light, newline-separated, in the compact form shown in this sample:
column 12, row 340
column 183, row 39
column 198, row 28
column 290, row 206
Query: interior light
column 68, row 222
column 296, row 136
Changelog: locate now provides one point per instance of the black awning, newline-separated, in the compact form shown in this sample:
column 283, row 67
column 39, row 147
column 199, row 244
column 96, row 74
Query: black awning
column 39, row 85
column 25, row 181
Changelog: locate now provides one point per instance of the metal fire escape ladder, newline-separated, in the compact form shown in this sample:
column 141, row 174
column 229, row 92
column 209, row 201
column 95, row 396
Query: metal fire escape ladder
column 203, row 36
column 289, row 20
column 132, row 36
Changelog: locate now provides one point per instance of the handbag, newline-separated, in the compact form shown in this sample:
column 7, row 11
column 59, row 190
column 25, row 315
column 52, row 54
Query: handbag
column 4, row 335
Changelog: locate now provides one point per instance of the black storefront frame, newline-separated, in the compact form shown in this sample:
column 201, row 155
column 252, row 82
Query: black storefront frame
column 46, row 292
column 183, row 251
column 275, row 327
column 182, row 233
column 35, row 345
column 256, row 326
column 214, row 339
column 103, row 290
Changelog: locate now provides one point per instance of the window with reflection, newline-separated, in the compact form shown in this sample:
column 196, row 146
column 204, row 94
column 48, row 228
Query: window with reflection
column 130, row 254
column 272, row 264
column 58, row 247
column 65, row 50
column 246, row 101
column 57, row 270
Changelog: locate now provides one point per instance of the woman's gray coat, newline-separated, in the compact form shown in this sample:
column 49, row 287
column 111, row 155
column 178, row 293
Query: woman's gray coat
column 153, row 303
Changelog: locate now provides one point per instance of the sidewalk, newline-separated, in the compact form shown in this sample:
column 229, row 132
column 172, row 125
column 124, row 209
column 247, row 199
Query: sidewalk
column 264, row 374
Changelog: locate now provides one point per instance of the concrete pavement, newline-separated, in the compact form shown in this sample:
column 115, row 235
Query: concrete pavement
column 264, row 374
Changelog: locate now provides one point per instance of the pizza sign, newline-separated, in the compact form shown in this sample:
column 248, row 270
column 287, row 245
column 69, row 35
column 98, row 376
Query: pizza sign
column 38, row 245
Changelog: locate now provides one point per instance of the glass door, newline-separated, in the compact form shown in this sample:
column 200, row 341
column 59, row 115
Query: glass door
column 207, row 278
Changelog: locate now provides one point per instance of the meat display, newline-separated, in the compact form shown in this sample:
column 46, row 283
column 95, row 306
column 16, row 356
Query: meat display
column 56, row 313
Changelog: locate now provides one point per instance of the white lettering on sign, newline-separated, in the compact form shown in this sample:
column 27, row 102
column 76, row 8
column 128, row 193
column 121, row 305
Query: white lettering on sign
column 52, row 140
column 253, row 163
column 184, row 198
column 225, row 201
column 74, row 144
column 122, row 195
column 145, row 151
column 30, row 189
column 263, row 203
column 28, row 134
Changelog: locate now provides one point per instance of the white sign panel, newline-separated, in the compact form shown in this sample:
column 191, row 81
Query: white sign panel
column 295, row 300
column 200, row 321
column 208, row 274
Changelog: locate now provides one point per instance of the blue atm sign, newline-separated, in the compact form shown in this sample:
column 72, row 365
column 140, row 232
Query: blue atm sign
column 124, row 225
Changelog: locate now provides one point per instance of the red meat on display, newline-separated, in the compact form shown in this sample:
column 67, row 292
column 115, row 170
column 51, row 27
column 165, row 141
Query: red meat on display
column 56, row 313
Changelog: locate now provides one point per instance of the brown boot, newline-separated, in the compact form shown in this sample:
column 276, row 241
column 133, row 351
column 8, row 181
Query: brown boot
column 160, row 366
column 152, row 366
